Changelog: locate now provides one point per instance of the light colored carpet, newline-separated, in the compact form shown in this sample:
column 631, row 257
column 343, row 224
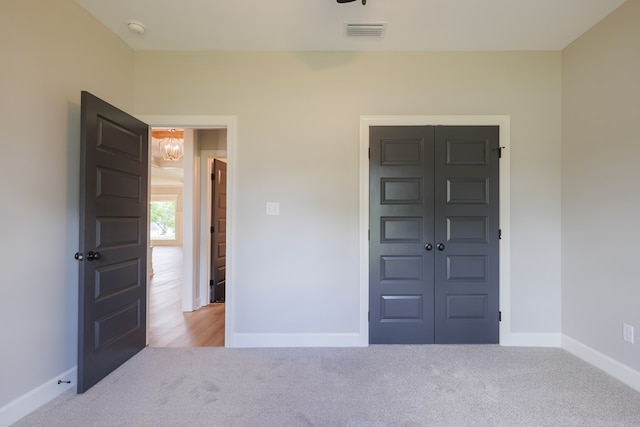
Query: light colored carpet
column 433, row 385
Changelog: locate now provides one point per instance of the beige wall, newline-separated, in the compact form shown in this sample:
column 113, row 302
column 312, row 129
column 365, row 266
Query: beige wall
column 51, row 50
column 212, row 139
column 297, row 144
column 600, row 176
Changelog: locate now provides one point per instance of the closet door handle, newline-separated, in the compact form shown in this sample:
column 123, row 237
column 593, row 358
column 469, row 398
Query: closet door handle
column 440, row 247
column 428, row 247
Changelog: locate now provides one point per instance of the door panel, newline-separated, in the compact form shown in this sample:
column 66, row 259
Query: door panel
column 466, row 223
column 401, row 220
column 113, row 239
column 433, row 234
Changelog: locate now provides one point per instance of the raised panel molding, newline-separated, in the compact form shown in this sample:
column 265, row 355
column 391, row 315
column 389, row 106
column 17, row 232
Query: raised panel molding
column 477, row 227
column 111, row 183
column 116, row 140
column 405, row 191
column 398, row 268
column 116, row 278
column 467, row 191
column 477, row 156
column 401, row 229
column 394, row 308
column 467, row 268
column 117, row 231
column 116, row 325
column 405, row 152
column 467, row 306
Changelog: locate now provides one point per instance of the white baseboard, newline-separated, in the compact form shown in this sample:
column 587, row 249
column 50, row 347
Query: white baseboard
column 530, row 340
column 32, row 400
column 356, row 340
column 296, row 340
column 622, row 372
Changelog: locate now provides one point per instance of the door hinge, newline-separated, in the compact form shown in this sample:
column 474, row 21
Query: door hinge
column 368, row 234
column 500, row 152
column 213, row 177
column 213, row 229
column 369, row 316
column 499, row 316
column 369, row 154
column 499, row 234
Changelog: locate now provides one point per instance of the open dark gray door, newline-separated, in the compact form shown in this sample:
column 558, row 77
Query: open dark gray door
column 218, row 230
column 113, row 239
column 433, row 248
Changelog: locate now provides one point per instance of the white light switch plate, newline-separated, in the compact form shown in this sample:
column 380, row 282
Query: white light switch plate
column 627, row 332
column 273, row 208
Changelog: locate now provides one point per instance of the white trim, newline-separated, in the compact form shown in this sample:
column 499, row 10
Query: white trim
column 32, row 400
column 515, row 339
column 195, row 122
column 215, row 122
column 190, row 223
column 622, row 372
column 297, row 340
column 504, row 122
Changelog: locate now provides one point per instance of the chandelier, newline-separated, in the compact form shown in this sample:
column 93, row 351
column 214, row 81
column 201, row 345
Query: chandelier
column 172, row 146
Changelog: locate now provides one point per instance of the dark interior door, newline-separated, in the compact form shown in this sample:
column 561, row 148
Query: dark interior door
column 466, row 213
column 219, row 230
column 401, row 239
column 113, row 239
column 434, row 234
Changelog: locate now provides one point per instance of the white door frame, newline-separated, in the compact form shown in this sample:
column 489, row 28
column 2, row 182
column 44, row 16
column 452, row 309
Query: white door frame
column 191, row 206
column 504, row 122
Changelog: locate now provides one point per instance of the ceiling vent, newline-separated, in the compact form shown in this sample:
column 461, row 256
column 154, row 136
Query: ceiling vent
column 365, row 30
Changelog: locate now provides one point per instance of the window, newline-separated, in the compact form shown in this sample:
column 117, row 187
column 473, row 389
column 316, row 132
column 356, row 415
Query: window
column 163, row 219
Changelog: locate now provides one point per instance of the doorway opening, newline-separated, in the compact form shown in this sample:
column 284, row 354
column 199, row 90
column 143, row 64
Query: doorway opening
column 180, row 308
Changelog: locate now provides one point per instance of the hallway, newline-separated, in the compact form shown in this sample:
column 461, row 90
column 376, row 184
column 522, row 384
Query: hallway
column 168, row 325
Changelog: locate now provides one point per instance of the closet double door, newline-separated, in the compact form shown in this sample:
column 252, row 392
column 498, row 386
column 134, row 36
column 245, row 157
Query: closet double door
column 434, row 231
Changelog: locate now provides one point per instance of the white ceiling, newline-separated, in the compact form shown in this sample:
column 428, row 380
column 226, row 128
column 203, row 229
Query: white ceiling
column 319, row 24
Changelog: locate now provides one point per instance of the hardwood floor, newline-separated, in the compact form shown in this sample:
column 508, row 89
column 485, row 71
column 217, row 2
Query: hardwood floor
column 168, row 325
